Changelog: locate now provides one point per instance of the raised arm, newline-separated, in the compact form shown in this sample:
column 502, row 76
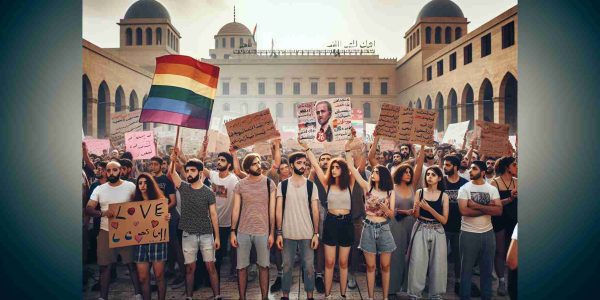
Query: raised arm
column 373, row 152
column 236, row 164
column 171, row 172
column 363, row 183
column 418, row 167
column 202, row 154
column 314, row 162
column 86, row 157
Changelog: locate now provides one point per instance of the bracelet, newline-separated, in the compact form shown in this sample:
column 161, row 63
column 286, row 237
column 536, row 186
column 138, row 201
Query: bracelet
column 279, row 232
column 234, row 230
column 307, row 150
column 348, row 151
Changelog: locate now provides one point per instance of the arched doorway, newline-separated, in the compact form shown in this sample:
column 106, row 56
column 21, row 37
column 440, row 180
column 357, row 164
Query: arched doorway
column 439, row 105
column 508, row 91
column 103, row 109
column 119, row 99
column 452, row 102
column 419, row 104
column 428, row 103
column 86, row 95
column 410, row 104
column 133, row 101
column 467, row 101
column 486, row 94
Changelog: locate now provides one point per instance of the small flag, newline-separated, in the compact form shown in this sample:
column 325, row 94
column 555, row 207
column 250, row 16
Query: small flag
column 182, row 92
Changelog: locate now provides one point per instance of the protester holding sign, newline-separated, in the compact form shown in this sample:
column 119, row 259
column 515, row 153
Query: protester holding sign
column 376, row 237
column 115, row 190
column 155, row 254
column 199, row 221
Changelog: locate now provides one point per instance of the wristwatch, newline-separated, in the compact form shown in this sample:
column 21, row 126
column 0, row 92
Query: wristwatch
column 316, row 233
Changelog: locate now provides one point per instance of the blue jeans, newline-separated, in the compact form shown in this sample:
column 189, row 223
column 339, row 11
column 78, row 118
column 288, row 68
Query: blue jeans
column 307, row 256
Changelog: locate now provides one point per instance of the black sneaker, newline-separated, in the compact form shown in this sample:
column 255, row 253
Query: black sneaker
column 276, row 286
column 319, row 284
column 457, row 288
column 475, row 292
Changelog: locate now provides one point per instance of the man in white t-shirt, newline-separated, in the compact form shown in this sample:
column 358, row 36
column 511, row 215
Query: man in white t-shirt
column 114, row 191
column 478, row 201
column 297, row 224
column 223, row 183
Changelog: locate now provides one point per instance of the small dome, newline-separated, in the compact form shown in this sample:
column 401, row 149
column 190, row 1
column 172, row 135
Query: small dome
column 234, row 28
column 440, row 8
column 147, row 9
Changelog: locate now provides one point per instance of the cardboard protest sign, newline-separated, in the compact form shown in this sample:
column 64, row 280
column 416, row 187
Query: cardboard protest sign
column 252, row 128
column 423, row 127
column 96, row 146
column 493, row 139
column 387, row 125
column 138, row 222
column 386, row 145
column 325, row 120
column 140, row 144
column 455, row 134
column 123, row 122
column 369, row 129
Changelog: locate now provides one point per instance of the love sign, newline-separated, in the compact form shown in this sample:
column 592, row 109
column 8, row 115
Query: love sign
column 138, row 222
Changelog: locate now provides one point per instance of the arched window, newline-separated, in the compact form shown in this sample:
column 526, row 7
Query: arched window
column 133, row 101
column 148, row 36
column 232, row 42
column 138, row 36
column 438, row 35
column 226, row 107
column 119, row 99
column 410, row 104
column 418, row 105
column 223, row 43
column 367, row 110
column 279, row 110
column 448, row 35
column 159, row 36
column 128, row 37
column 418, row 37
column 428, row 35
column 457, row 33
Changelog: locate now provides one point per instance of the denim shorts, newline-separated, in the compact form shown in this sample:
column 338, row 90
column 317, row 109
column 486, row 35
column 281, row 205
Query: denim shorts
column 376, row 238
column 245, row 242
column 192, row 243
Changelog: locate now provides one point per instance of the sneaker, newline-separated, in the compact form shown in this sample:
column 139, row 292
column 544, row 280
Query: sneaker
column 320, row 284
column 178, row 282
column 351, row 282
column 475, row 292
column 276, row 286
column 502, row 288
column 138, row 297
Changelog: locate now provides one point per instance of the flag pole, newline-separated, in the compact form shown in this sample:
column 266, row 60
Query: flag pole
column 176, row 144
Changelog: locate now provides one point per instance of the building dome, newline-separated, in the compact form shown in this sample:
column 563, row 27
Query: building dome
column 440, row 8
column 234, row 28
column 147, row 9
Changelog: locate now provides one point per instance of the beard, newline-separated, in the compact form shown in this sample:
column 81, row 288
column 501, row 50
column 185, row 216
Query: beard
column 191, row 179
column 113, row 179
column 475, row 177
column 299, row 171
column 403, row 156
column 221, row 168
column 489, row 171
column 429, row 157
column 449, row 172
column 254, row 173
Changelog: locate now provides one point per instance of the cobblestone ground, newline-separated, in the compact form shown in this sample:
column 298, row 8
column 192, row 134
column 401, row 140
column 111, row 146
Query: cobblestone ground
column 122, row 288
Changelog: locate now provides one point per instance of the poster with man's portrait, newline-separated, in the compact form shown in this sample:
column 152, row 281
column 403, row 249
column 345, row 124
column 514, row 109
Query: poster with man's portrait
column 325, row 120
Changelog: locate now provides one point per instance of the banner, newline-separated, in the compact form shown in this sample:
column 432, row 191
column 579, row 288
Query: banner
column 325, row 120
column 123, row 122
column 252, row 128
column 138, row 222
column 97, row 146
column 140, row 144
column 493, row 139
column 455, row 134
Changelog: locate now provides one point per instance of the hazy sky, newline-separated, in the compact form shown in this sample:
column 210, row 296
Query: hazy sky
column 306, row 24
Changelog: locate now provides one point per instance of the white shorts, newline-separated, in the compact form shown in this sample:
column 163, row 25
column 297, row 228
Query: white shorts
column 191, row 243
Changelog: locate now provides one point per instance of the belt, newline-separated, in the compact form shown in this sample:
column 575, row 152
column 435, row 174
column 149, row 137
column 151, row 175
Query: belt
column 427, row 222
column 376, row 224
column 339, row 217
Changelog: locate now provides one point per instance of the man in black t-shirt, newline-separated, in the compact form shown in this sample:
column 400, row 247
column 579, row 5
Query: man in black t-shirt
column 453, row 182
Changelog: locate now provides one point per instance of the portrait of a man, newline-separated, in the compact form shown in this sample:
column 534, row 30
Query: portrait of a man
column 324, row 131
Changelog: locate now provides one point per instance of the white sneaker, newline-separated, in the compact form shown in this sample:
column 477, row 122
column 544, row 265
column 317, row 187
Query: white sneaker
column 138, row 297
column 351, row 283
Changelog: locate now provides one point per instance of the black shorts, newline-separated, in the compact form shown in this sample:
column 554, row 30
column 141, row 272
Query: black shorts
column 338, row 230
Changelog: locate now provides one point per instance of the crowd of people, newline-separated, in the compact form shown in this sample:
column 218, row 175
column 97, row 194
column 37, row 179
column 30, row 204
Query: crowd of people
column 403, row 214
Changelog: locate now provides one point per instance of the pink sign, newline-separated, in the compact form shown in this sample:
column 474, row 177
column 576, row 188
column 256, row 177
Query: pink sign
column 140, row 144
column 96, row 146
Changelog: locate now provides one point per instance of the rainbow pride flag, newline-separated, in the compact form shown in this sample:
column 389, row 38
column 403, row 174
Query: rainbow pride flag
column 182, row 93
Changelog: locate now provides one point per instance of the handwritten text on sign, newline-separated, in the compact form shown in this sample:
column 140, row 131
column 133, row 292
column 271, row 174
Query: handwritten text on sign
column 138, row 222
column 140, row 144
column 97, row 146
column 252, row 128
column 335, row 118
column 406, row 125
column 122, row 123
column 493, row 139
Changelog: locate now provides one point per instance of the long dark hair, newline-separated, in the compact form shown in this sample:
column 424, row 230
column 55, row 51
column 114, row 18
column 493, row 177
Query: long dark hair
column 344, row 174
column 399, row 172
column 154, row 191
column 385, row 179
column 440, row 185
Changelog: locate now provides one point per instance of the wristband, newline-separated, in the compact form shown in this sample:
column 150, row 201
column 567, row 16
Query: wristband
column 307, row 150
column 279, row 232
column 234, row 230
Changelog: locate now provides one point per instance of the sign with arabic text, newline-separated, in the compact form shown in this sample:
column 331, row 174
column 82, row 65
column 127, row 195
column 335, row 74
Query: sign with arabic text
column 252, row 128
column 138, row 222
column 140, row 144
